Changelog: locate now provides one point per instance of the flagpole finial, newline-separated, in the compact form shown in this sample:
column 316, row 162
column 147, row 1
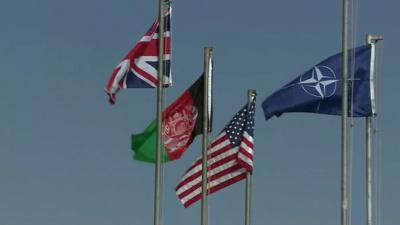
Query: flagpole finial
column 251, row 94
column 374, row 39
column 209, row 49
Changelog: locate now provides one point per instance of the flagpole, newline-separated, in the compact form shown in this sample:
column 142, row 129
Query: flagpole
column 368, row 127
column 249, row 179
column 160, row 96
column 208, row 51
column 344, row 217
column 368, row 121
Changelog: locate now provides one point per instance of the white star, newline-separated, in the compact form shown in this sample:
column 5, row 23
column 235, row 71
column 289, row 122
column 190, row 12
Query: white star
column 319, row 82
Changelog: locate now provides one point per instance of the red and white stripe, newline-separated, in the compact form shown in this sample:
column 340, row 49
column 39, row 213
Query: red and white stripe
column 245, row 155
column 145, row 51
column 138, row 62
column 227, row 164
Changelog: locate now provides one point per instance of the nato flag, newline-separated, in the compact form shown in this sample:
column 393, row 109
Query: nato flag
column 319, row 90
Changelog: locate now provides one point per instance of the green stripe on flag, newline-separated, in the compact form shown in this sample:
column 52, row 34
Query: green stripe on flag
column 144, row 145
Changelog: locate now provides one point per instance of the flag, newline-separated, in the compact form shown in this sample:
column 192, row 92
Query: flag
column 229, row 158
column 182, row 121
column 139, row 68
column 319, row 90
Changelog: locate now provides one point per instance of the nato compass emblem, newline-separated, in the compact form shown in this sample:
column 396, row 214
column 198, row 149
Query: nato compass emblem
column 321, row 84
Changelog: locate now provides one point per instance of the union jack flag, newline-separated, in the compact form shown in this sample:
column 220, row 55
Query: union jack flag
column 230, row 157
column 139, row 68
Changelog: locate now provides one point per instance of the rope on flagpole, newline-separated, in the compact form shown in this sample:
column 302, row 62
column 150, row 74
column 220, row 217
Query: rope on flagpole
column 378, row 134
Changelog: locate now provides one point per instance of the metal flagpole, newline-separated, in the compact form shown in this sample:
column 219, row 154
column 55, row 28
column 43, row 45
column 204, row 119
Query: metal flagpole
column 249, row 179
column 208, row 51
column 368, row 126
column 159, row 142
column 344, row 153
column 344, row 144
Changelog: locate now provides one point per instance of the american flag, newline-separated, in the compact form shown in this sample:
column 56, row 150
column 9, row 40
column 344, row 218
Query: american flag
column 229, row 158
column 139, row 69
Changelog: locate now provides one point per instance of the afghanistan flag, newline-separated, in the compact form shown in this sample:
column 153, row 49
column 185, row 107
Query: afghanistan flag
column 182, row 121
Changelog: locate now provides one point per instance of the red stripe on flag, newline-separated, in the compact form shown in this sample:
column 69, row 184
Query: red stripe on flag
column 211, row 167
column 215, row 143
column 246, row 153
column 152, row 29
column 219, row 141
column 245, row 165
column 247, row 142
column 167, row 45
column 227, row 183
column 192, row 200
column 145, row 74
column 216, row 188
column 210, row 179
column 223, row 173
column 220, row 151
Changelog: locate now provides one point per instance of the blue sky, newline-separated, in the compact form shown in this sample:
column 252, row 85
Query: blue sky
column 65, row 152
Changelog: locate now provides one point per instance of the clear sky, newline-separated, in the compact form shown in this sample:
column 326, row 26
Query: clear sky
column 65, row 152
